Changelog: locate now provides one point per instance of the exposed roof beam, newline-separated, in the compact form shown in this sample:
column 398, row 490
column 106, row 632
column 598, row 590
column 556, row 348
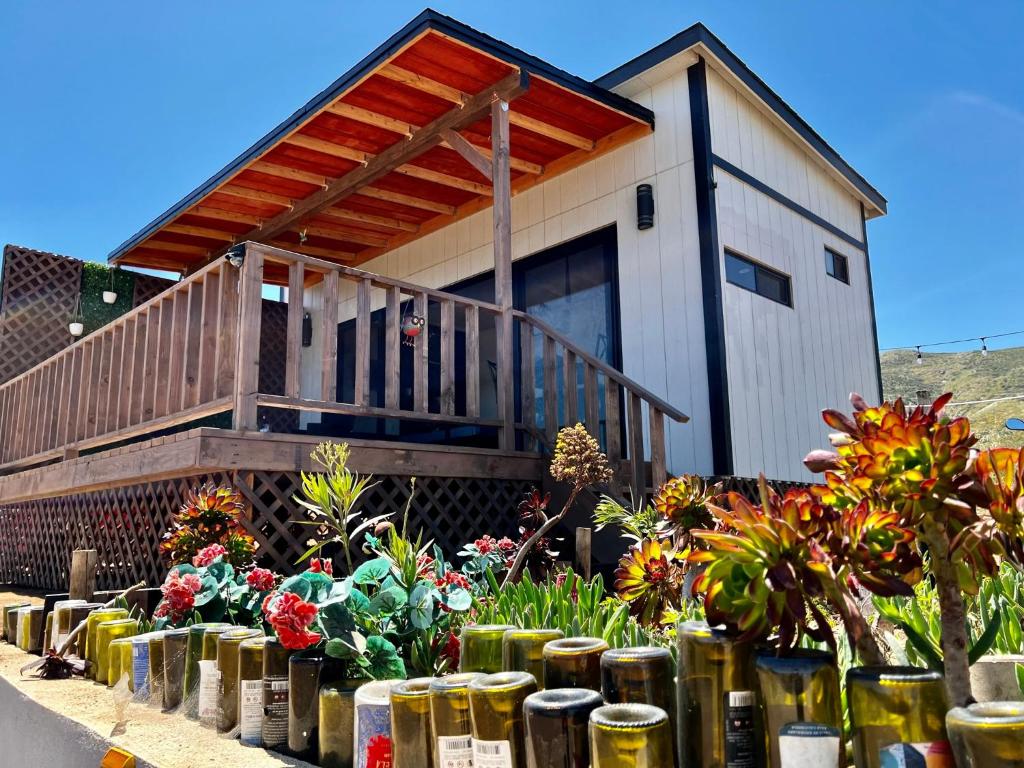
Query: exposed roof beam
column 402, row 199
column 469, row 153
column 425, row 84
column 287, row 172
column 345, row 214
column 342, row 233
column 391, row 158
column 517, row 164
column 313, row 250
column 533, row 125
column 256, row 195
column 188, row 229
column 163, row 245
column 216, row 213
column 370, row 117
column 327, row 148
column 418, row 172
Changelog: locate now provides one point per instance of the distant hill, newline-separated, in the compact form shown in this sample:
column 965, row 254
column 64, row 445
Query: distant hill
column 969, row 376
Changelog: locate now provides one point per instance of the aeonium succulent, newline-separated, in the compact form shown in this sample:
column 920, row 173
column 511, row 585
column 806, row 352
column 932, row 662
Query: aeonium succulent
column 650, row 579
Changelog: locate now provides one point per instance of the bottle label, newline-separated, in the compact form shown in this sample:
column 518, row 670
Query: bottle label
column 455, row 752
column 492, row 754
column 808, row 745
column 250, row 711
column 209, row 690
column 933, row 754
column 140, row 670
column 739, row 730
column 275, row 711
column 373, row 736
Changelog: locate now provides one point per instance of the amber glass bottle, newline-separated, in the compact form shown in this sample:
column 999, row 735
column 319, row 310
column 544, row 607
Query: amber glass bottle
column 337, row 722
column 411, row 739
column 274, row 729
column 450, row 720
column 630, row 735
column 481, row 647
column 94, row 620
column 522, row 650
column 574, row 662
column 800, row 707
column 175, row 648
column 557, row 720
column 307, row 671
column 496, row 715
column 193, row 655
column 716, row 701
column 107, row 632
column 896, row 712
column 228, row 644
column 250, row 691
column 989, row 735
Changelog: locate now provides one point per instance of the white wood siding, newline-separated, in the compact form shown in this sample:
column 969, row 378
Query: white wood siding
column 659, row 269
column 786, row 364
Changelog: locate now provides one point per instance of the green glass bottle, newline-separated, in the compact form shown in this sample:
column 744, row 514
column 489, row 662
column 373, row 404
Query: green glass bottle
column 496, row 716
column 630, row 735
column 250, row 691
column 156, row 667
column 119, row 662
column 522, row 650
column 557, row 722
column 274, row 728
column 715, row 699
column 307, row 671
column 94, row 619
column 10, row 622
column 175, row 649
column 989, row 735
column 450, row 720
column 481, row 647
column 411, row 739
column 193, row 673
column 574, row 662
column 897, row 713
column 640, row 675
column 80, row 613
column 228, row 644
column 106, row 633
column 801, row 708
column 337, row 721
column 62, row 626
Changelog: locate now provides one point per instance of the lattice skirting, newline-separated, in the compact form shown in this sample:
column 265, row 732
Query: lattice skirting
column 125, row 524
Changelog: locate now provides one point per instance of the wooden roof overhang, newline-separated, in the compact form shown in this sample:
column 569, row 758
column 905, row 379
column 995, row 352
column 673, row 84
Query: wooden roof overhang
column 394, row 149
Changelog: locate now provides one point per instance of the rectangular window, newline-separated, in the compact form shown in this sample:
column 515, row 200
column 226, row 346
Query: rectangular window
column 837, row 265
column 758, row 278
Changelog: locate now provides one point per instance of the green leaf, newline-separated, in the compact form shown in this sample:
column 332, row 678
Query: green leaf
column 984, row 643
column 421, row 606
column 458, row 599
column 221, row 571
column 336, row 619
column 358, row 602
column 385, row 663
column 297, row 585
column 389, row 600
column 372, row 571
column 320, row 585
column 183, row 568
column 351, row 645
column 1019, row 669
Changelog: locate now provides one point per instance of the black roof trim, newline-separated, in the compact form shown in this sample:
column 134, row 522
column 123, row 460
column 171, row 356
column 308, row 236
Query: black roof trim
column 698, row 33
column 428, row 19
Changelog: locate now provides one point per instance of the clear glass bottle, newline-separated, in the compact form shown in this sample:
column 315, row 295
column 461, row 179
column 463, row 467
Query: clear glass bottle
column 801, row 708
column 372, row 728
column 106, row 633
column 193, row 655
column 10, row 622
column 989, row 735
column 522, row 650
column 574, row 662
column 496, row 716
column 250, row 691
column 557, row 722
column 411, row 739
column 141, row 670
column 481, row 647
column 630, row 735
column 274, row 729
column 30, row 629
column 119, row 662
column 450, row 720
column 175, row 649
column 61, row 617
column 228, row 644
column 307, row 671
column 716, row 700
column 337, row 723
column 94, row 619
column 896, row 712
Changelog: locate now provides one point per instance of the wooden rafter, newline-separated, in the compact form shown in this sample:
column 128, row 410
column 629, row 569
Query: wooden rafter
column 520, row 120
column 425, row 174
column 327, row 148
column 216, row 213
column 313, row 250
column 188, row 229
column 342, row 233
column 256, row 195
column 391, row 158
column 370, row 117
column 163, row 245
column 344, row 214
column 409, row 200
column 425, row 84
column 287, row 172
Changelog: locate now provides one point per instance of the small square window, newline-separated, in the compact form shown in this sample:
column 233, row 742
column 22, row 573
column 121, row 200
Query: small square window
column 837, row 266
column 758, row 279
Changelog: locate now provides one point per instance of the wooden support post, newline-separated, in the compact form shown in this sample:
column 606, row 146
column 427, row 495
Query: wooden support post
column 502, row 188
column 293, row 354
column 329, row 339
column 583, row 559
column 250, row 314
column 82, row 584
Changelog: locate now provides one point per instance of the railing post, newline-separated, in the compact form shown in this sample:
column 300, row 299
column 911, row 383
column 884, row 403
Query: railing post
column 250, row 315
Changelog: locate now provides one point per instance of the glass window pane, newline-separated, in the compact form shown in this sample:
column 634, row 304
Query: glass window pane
column 772, row 286
column 830, row 263
column 740, row 272
column 842, row 269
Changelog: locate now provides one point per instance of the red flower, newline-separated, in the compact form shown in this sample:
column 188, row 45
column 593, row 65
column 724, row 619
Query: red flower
column 179, row 596
column 316, row 565
column 207, row 555
column 486, row 545
column 505, row 544
column 452, row 650
column 260, row 579
column 291, row 617
column 457, row 579
column 424, row 564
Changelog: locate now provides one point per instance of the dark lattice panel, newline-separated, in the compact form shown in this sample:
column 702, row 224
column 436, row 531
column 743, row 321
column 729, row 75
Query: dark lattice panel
column 125, row 524
column 148, row 287
column 450, row 511
column 747, row 486
column 39, row 294
column 273, row 354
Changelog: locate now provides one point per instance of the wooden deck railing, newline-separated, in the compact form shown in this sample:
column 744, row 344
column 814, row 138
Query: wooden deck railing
column 168, row 361
column 194, row 350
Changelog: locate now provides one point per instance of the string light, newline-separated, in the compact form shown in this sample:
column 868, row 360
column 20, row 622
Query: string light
column 984, row 349
column 982, row 339
column 919, row 360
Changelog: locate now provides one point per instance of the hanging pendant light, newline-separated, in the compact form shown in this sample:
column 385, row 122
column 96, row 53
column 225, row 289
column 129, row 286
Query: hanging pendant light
column 984, row 349
column 919, row 360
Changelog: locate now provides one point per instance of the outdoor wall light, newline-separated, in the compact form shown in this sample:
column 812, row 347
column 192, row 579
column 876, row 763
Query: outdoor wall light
column 644, row 206
column 236, row 256
column 307, row 330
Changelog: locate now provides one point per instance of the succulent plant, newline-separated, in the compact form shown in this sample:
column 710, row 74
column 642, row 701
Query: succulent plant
column 209, row 515
column 650, row 579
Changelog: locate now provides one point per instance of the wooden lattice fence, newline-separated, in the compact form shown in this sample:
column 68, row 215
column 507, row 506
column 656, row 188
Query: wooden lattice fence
column 125, row 524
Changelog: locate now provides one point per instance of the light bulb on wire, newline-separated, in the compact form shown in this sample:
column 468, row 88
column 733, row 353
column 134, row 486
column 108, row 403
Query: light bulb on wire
column 984, row 349
column 919, row 360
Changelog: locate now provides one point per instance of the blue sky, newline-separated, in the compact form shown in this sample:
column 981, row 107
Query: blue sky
column 112, row 111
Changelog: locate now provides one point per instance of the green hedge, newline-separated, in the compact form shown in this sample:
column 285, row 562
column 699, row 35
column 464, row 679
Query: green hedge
column 96, row 278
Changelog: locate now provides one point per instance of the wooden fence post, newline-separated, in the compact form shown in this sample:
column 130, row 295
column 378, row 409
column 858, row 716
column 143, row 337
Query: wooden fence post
column 82, row 584
column 250, row 314
column 583, row 562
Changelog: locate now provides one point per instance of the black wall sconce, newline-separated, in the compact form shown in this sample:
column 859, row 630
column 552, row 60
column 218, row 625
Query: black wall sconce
column 307, row 330
column 644, row 206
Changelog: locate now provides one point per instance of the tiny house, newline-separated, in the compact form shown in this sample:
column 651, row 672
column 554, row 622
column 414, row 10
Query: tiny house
column 472, row 248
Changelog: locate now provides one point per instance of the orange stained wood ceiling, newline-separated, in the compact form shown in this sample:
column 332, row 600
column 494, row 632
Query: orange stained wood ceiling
column 433, row 66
